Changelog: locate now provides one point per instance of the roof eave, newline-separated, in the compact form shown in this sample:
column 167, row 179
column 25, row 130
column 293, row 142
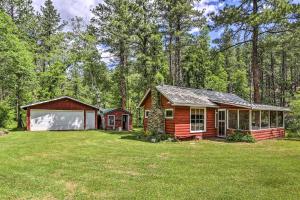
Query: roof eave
column 232, row 104
column 195, row 105
column 56, row 99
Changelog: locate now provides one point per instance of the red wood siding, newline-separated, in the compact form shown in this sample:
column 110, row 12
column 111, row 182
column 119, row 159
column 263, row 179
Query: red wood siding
column 118, row 119
column 182, row 122
column 268, row 133
column 62, row 104
column 28, row 120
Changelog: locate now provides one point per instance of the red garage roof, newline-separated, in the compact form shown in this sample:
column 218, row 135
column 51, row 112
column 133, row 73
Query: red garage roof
column 56, row 99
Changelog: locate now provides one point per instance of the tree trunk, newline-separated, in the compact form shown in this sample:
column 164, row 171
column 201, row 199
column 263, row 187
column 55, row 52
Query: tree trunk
column 178, row 69
column 123, row 64
column 254, row 63
column 283, row 78
column 171, row 67
column 273, row 87
column 18, row 106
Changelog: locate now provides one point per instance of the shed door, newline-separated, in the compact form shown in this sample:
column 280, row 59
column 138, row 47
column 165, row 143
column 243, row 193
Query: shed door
column 90, row 120
column 42, row 120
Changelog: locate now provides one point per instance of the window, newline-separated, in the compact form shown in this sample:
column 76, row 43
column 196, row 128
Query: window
column 111, row 120
column 264, row 119
column 197, row 119
column 273, row 119
column 244, row 120
column 147, row 113
column 169, row 113
column 233, row 119
column 280, row 118
column 255, row 120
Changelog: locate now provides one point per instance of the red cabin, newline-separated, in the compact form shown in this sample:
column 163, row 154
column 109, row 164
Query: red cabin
column 200, row 113
column 115, row 119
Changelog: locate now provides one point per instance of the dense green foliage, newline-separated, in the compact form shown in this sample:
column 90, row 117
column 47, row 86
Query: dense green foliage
column 4, row 114
column 108, row 165
column 132, row 45
column 293, row 119
column 239, row 136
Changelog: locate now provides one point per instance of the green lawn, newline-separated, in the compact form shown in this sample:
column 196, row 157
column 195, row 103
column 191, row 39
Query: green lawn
column 103, row 165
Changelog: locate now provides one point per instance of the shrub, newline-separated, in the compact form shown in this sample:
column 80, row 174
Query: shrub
column 293, row 134
column 239, row 136
column 154, row 138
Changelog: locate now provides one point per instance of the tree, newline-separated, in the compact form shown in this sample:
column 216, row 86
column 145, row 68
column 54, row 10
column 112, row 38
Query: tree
column 112, row 24
column 197, row 60
column 255, row 18
column 179, row 19
column 22, row 13
column 148, row 49
column 50, row 51
column 16, row 64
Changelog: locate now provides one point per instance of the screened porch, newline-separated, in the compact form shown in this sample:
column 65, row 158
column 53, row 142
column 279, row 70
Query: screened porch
column 251, row 120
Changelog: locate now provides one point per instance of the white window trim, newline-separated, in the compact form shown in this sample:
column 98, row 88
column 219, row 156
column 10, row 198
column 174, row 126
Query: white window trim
column 200, row 131
column 169, row 109
column 109, row 120
column 216, row 118
column 146, row 117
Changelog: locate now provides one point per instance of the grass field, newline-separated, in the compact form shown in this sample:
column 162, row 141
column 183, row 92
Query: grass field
column 103, row 165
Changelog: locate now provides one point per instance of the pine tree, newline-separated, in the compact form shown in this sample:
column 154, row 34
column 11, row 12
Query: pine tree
column 253, row 18
column 112, row 24
column 179, row 18
column 50, row 51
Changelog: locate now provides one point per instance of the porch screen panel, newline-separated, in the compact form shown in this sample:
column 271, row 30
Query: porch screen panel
column 232, row 119
column 255, row 120
column 244, row 119
column 265, row 119
column 280, row 119
column 197, row 119
column 273, row 119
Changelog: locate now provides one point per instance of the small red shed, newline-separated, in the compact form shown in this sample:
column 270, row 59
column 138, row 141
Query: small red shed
column 115, row 119
column 63, row 113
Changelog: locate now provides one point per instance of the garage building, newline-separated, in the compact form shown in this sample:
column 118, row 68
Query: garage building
column 63, row 113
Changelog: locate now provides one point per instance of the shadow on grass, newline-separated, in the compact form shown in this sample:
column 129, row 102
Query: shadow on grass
column 292, row 139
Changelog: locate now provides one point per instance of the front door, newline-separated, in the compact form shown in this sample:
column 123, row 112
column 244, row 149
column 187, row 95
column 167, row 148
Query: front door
column 222, row 123
column 125, row 122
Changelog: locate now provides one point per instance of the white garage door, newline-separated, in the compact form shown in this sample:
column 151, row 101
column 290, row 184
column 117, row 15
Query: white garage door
column 90, row 120
column 42, row 120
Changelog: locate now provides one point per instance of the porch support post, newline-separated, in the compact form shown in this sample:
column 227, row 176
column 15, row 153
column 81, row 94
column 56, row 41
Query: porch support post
column 250, row 120
column 238, row 119
column 260, row 119
column 269, row 119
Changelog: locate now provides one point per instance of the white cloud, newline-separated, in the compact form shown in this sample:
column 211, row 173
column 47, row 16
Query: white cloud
column 208, row 6
column 71, row 8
